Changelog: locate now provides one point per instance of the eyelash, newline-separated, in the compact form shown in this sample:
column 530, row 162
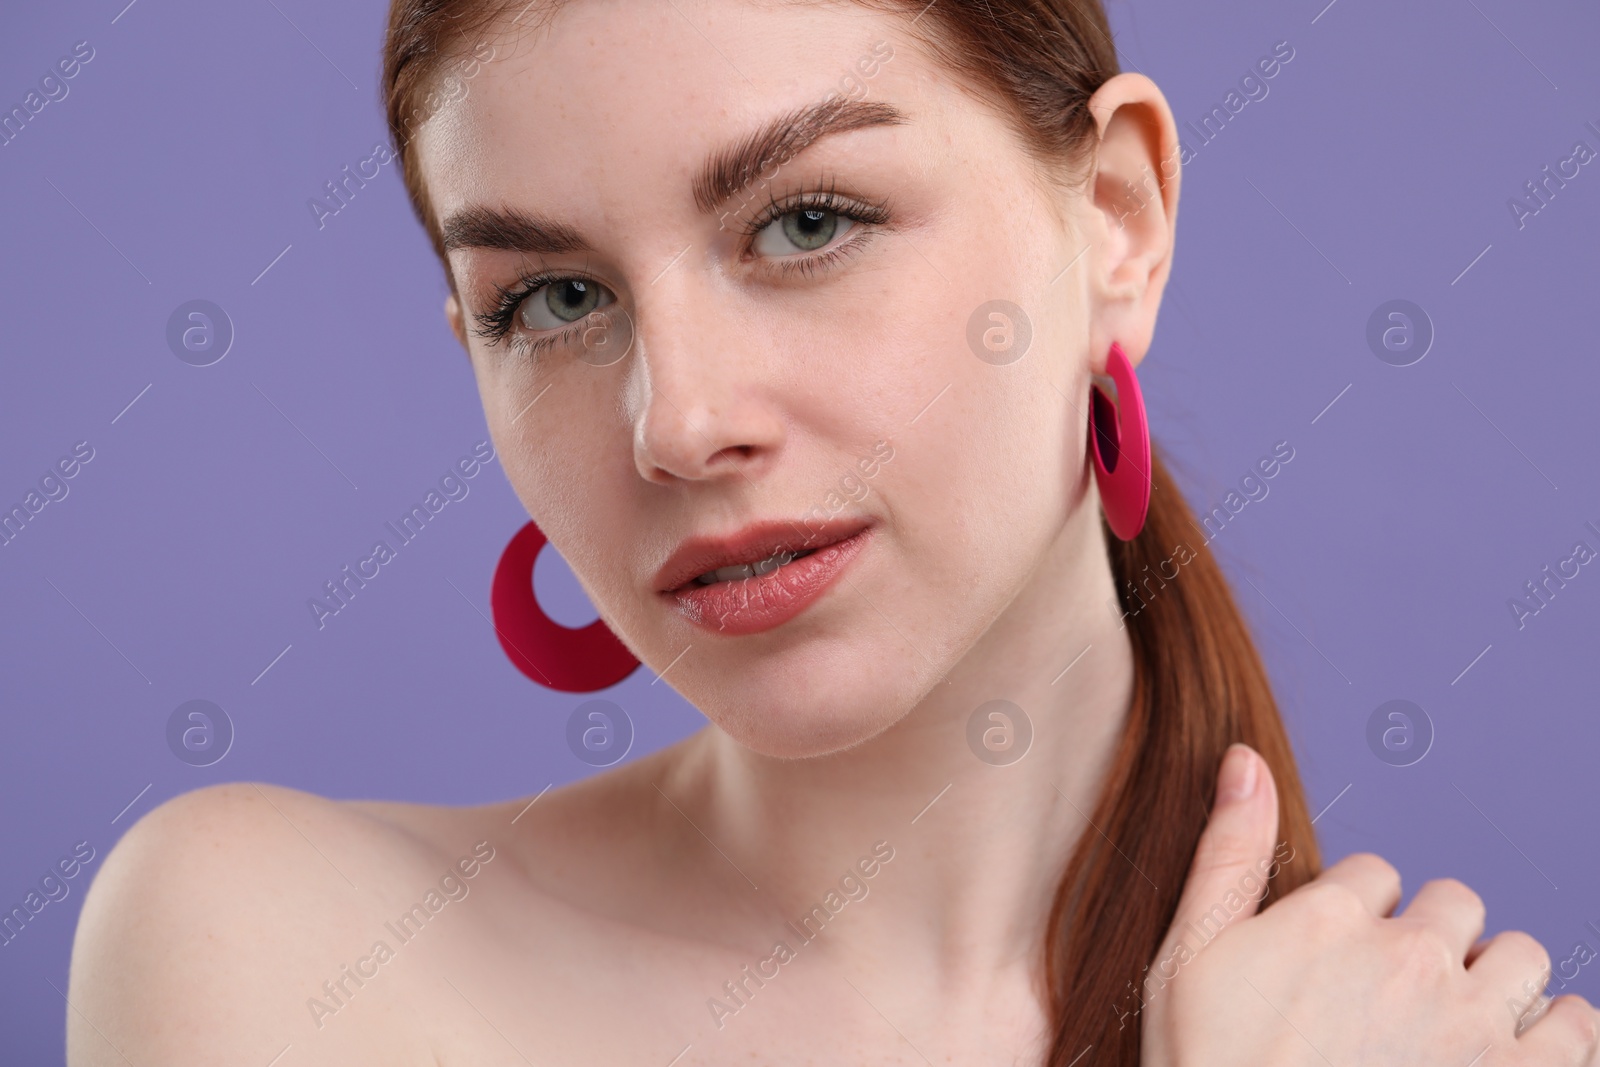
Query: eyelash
column 495, row 323
column 498, row 321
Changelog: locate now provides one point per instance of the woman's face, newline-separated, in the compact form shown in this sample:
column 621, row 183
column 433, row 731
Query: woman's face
column 810, row 356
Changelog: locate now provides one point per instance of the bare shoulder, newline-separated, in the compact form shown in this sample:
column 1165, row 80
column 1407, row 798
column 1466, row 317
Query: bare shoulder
column 217, row 914
column 235, row 922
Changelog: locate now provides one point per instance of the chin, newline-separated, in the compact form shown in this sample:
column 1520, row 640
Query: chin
column 834, row 704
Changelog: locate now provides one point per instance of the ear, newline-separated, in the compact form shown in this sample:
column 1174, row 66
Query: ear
column 1134, row 216
column 453, row 315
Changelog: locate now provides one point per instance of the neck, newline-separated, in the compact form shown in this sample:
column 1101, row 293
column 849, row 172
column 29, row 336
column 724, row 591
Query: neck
column 979, row 847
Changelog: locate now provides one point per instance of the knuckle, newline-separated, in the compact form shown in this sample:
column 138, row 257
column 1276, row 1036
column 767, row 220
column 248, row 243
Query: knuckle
column 1425, row 953
column 1456, row 894
column 1585, row 1020
column 1371, row 864
column 1332, row 905
column 1523, row 945
column 1578, row 1024
column 1222, row 851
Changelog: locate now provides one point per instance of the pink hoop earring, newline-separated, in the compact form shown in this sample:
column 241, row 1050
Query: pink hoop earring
column 559, row 657
column 1119, row 441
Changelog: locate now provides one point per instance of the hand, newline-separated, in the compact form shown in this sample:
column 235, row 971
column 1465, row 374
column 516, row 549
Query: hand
column 1325, row 976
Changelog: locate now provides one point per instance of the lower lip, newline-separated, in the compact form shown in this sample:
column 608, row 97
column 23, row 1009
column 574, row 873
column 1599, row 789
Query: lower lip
column 752, row 605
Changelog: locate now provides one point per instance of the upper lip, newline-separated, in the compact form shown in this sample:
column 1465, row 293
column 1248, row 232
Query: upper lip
column 757, row 541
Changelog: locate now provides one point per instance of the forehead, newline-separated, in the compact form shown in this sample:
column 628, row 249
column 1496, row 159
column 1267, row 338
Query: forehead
column 638, row 92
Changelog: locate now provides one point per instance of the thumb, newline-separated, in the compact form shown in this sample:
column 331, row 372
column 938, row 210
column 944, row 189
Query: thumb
column 1234, row 856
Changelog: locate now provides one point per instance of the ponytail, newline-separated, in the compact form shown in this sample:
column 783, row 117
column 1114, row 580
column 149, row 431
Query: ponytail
column 1199, row 686
column 1199, row 683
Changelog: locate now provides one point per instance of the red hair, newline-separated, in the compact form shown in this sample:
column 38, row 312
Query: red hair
column 1199, row 681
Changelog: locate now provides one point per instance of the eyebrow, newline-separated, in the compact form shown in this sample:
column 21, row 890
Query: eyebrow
column 732, row 170
column 510, row 229
column 726, row 173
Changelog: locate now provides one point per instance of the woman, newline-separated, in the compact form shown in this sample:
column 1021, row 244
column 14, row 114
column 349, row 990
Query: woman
column 784, row 317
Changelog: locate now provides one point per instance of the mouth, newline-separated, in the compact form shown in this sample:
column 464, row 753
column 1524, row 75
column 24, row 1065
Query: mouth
column 741, row 571
column 756, row 551
column 761, row 577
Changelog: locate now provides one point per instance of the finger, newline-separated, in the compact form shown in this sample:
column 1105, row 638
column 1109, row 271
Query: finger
column 1513, row 967
column 1568, row 1033
column 1370, row 877
column 1452, row 909
column 1235, row 850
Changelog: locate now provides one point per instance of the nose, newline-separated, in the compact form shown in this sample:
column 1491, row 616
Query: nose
column 703, row 405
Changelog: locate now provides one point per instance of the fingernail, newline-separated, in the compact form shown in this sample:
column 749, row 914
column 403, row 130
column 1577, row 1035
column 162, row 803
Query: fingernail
column 1236, row 782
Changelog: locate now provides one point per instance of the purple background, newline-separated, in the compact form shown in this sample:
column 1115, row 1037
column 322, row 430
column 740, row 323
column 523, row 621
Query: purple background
column 1378, row 167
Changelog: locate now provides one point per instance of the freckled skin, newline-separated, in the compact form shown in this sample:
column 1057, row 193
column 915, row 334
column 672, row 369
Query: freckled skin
column 618, row 907
column 636, row 916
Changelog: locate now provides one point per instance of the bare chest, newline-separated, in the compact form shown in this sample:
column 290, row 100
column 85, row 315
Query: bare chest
column 486, row 992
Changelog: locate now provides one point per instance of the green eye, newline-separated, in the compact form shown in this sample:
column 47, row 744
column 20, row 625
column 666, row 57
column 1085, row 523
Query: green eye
column 803, row 230
column 561, row 303
column 810, row 229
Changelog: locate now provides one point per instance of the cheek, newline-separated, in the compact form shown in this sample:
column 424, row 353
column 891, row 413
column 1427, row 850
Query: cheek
column 572, row 477
column 988, row 457
column 998, row 456
column 1005, row 482
column 982, row 487
column 978, row 489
